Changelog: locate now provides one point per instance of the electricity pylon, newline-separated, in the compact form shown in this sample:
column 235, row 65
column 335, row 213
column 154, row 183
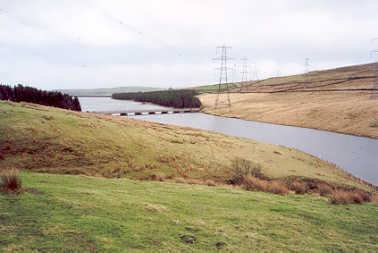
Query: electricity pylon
column 244, row 73
column 374, row 55
column 223, row 52
column 307, row 66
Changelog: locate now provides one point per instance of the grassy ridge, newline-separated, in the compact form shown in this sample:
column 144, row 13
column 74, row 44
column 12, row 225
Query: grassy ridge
column 46, row 139
column 340, row 100
column 84, row 214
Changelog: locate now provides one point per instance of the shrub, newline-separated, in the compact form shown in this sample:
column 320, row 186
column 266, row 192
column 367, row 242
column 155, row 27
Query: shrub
column 324, row 189
column 251, row 183
column 366, row 196
column 277, row 187
column 298, row 187
column 241, row 168
column 349, row 197
column 10, row 181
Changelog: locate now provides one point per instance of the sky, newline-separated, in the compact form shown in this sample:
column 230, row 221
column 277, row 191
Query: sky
column 53, row 44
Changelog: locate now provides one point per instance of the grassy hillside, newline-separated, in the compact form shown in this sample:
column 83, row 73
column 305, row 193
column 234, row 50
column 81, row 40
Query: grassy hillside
column 85, row 214
column 52, row 140
column 341, row 100
column 106, row 92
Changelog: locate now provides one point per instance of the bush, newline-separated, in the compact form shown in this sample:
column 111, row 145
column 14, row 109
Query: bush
column 10, row 181
column 298, row 187
column 251, row 183
column 241, row 168
column 324, row 189
column 277, row 187
column 350, row 197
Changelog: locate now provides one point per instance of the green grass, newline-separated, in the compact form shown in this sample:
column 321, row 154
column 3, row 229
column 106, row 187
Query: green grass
column 52, row 140
column 88, row 214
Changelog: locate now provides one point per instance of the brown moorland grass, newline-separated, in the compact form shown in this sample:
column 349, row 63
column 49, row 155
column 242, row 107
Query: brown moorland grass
column 249, row 176
column 349, row 197
column 344, row 111
column 251, row 183
column 10, row 181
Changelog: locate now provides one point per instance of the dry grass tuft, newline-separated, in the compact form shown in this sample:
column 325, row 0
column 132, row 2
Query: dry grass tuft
column 349, row 197
column 298, row 187
column 325, row 189
column 10, row 181
column 256, row 184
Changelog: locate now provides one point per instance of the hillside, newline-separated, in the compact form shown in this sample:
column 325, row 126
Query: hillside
column 61, row 213
column 342, row 100
column 52, row 140
column 106, row 92
column 113, row 212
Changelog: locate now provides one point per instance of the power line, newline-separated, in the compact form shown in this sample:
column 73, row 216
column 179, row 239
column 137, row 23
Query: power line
column 223, row 52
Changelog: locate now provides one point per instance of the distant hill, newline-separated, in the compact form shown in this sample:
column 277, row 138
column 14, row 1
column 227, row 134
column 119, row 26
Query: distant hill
column 343, row 100
column 106, row 92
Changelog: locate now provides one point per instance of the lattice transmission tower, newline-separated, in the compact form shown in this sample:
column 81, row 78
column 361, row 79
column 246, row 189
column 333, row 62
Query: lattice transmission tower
column 244, row 73
column 306, row 74
column 374, row 56
column 223, row 85
column 307, row 65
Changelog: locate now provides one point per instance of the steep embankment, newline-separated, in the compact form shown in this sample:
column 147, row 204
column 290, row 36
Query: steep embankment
column 85, row 214
column 342, row 100
column 44, row 139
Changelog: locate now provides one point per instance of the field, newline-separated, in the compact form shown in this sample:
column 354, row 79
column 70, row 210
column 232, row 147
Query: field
column 44, row 139
column 340, row 100
column 85, row 214
column 94, row 183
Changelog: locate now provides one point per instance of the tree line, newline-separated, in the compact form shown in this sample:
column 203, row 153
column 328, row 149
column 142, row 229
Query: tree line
column 29, row 94
column 170, row 98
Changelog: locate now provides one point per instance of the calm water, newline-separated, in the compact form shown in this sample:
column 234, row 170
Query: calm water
column 103, row 104
column 358, row 155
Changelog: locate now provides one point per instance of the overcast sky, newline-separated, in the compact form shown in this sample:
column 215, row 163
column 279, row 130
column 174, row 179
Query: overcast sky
column 55, row 44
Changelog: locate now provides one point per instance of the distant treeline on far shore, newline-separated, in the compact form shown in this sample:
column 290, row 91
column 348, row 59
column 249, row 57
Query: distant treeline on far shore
column 21, row 93
column 170, row 98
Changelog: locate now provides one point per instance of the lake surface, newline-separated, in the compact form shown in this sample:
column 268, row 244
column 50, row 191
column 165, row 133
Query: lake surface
column 104, row 104
column 357, row 155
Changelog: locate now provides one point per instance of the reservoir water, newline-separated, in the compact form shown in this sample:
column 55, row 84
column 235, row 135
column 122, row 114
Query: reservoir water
column 357, row 155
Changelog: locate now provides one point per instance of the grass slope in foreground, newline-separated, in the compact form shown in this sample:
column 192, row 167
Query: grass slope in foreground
column 87, row 214
column 44, row 139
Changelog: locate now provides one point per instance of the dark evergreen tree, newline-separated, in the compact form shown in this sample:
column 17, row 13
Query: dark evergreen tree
column 171, row 98
column 29, row 94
